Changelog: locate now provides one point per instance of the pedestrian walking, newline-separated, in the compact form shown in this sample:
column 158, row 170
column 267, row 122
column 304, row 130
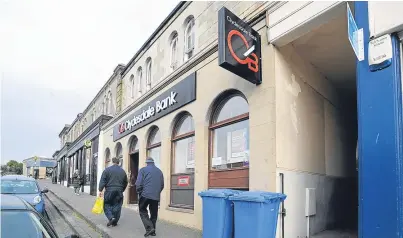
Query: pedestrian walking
column 82, row 182
column 114, row 181
column 149, row 184
column 76, row 182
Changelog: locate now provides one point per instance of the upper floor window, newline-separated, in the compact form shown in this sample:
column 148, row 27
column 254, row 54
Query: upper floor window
column 174, row 50
column 189, row 38
column 139, row 80
column 132, row 86
column 148, row 73
column 94, row 114
column 108, row 103
column 83, row 126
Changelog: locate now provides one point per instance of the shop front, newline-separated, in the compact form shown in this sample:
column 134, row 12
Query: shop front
column 210, row 126
column 82, row 155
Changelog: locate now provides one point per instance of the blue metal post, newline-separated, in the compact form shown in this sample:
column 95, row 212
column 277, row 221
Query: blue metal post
column 380, row 130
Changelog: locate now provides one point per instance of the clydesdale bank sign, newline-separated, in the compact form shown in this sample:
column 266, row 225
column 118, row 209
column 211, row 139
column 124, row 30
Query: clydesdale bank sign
column 176, row 97
column 239, row 47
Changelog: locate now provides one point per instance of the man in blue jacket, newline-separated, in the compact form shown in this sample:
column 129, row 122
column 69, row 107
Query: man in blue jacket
column 114, row 181
column 149, row 184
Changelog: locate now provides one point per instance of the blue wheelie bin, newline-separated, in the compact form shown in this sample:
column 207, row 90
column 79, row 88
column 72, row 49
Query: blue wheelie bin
column 256, row 213
column 218, row 213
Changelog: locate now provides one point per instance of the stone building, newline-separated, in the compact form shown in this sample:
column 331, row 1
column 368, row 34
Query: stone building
column 38, row 167
column 269, row 96
column 79, row 140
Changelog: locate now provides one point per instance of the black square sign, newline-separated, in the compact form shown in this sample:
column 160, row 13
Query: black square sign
column 239, row 49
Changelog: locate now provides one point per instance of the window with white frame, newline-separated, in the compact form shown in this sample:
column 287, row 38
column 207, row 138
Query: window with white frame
column 132, row 86
column 189, row 38
column 174, row 50
column 140, row 80
column 148, row 74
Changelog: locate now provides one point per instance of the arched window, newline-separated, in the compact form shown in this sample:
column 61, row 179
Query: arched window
column 174, row 50
column 83, row 126
column 183, row 163
column 76, row 132
column 105, row 105
column 118, row 153
column 189, row 37
column 148, row 73
column 230, row 143
column 132, row 88
column 107, row 157
column 134, row 145
column 109, row 106
column 154, row 146
column 139, row 80
column 94, row 114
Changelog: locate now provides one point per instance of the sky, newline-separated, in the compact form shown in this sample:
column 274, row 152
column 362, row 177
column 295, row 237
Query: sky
column 54, row 58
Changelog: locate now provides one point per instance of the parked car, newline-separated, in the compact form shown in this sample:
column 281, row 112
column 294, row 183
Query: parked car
column 20, row 219
column 25, row 188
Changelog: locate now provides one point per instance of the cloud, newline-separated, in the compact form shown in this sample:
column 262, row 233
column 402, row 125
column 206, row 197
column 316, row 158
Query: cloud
column 56, row 55
column 32, row 118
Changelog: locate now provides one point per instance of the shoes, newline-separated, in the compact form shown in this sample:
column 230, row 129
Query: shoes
column 150, row 233
column 111, row 222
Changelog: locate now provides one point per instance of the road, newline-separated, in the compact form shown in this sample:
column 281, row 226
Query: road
column 61, row 226
column 65, row 221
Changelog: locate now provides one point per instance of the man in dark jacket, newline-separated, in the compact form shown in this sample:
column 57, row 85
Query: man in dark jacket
column 149, row 184
column 114, row 181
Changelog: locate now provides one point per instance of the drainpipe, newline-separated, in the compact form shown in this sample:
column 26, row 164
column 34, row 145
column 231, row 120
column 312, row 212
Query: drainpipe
column 282, row 209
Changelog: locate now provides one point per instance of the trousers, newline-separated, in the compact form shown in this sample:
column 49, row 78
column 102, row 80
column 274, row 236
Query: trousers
column 146, row 204
column 113, row 201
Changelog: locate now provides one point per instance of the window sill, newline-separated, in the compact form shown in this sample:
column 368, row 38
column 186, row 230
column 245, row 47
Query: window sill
column 183, row 210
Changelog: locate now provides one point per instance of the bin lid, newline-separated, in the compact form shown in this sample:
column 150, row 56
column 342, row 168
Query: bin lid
column 259, row 196
column 218, row 193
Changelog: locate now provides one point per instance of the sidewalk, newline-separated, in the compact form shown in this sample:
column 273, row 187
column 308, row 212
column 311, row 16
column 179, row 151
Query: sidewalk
column 129, row 225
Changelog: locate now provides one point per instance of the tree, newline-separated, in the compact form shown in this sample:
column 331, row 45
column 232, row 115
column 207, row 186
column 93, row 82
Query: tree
column 14, row 167
column 4, row 169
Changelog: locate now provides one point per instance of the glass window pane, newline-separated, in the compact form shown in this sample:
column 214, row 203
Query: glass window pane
column 155, row 154
column 134, row 145
column 235, row 106
column 13, row 221
column 118, row 150
column 155, row 137
column 185, row 125
column 184, row 156
column 231, row 146
column 18, row 187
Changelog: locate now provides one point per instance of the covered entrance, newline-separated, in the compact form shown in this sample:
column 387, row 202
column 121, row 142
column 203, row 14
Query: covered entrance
column 133, row 169
column 316, row 93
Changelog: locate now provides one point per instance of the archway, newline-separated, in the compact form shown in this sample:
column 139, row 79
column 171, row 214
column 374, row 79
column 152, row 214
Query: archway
column 133, row 168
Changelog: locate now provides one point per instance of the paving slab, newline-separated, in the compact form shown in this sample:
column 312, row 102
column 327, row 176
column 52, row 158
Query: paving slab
column 130, row 224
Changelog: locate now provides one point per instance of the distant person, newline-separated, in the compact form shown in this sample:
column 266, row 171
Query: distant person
column 149, row 185
column 82, row 182
column 114, row 181
column 76, row 182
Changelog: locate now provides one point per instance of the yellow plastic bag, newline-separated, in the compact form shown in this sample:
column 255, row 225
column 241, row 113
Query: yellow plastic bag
column 98, row 207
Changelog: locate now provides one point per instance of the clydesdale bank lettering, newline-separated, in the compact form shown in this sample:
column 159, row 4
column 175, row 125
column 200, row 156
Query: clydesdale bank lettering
column 177, row 96
column 151, row 111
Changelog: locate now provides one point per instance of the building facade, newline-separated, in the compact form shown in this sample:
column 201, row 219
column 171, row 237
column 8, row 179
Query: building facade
column 80, row 139
column 38, row 167
column 266, row 96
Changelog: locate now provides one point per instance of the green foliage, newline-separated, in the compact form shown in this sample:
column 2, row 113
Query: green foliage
column 13, row 167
